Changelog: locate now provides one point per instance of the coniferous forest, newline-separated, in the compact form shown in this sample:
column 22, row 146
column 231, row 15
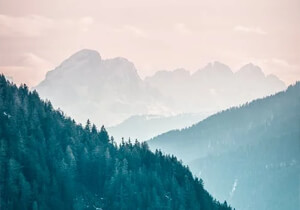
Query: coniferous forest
column 253, row 149
column 47, row 161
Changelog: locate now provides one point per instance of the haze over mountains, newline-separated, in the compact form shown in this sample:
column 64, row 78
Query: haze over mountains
column 214, row 87
column 47, row 162
column 144, row 127
column 111, row 91
column 246, row 154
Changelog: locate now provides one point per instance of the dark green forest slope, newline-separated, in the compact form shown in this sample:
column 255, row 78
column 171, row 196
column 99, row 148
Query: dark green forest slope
column 49, row 162
column 247, row 155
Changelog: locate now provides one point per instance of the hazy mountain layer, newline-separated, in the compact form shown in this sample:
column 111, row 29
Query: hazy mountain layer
column 110, row 91
column 249, row 155
column 144, row 127
column 214, row 87
column 49, row 162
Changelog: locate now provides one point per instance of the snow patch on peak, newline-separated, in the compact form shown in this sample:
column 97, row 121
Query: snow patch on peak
column 235, row 183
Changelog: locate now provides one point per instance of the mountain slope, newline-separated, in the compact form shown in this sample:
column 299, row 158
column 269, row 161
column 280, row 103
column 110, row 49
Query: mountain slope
column 246, row 153
column 49, row 162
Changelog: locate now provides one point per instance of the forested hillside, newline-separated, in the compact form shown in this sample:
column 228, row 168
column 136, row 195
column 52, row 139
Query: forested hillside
column 247, row 153
column 47, row 161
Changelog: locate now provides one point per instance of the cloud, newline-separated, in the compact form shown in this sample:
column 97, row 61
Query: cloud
column 35, row 25
column 85, row 23
column 245, row 29
column 29, row 69
column 182, row 28
column 136, row 31
column 28, row 26
column 281, row 62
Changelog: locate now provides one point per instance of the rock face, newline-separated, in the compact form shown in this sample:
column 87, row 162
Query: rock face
column 110, row 91
column 105, row 91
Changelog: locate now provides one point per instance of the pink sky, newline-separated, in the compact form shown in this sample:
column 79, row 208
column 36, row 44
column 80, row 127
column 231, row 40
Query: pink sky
column 37, row 35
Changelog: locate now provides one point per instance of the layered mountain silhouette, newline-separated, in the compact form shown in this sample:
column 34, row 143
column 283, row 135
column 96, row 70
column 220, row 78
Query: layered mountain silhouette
column 47, row 161
column 144, row 127
column 109, row 91
column 214, row 87
column 249, row 155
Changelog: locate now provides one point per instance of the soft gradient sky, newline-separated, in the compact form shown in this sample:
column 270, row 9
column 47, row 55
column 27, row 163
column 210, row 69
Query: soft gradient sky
column 36, row 35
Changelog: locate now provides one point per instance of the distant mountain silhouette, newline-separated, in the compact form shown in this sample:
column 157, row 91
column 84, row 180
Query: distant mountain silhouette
column 214, row 87
column 107, row 91
column 247, row 153
column 110, row 91
column 144, row 127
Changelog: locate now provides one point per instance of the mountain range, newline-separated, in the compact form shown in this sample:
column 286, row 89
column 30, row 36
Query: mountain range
column 80, row 84
column 248, row 155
